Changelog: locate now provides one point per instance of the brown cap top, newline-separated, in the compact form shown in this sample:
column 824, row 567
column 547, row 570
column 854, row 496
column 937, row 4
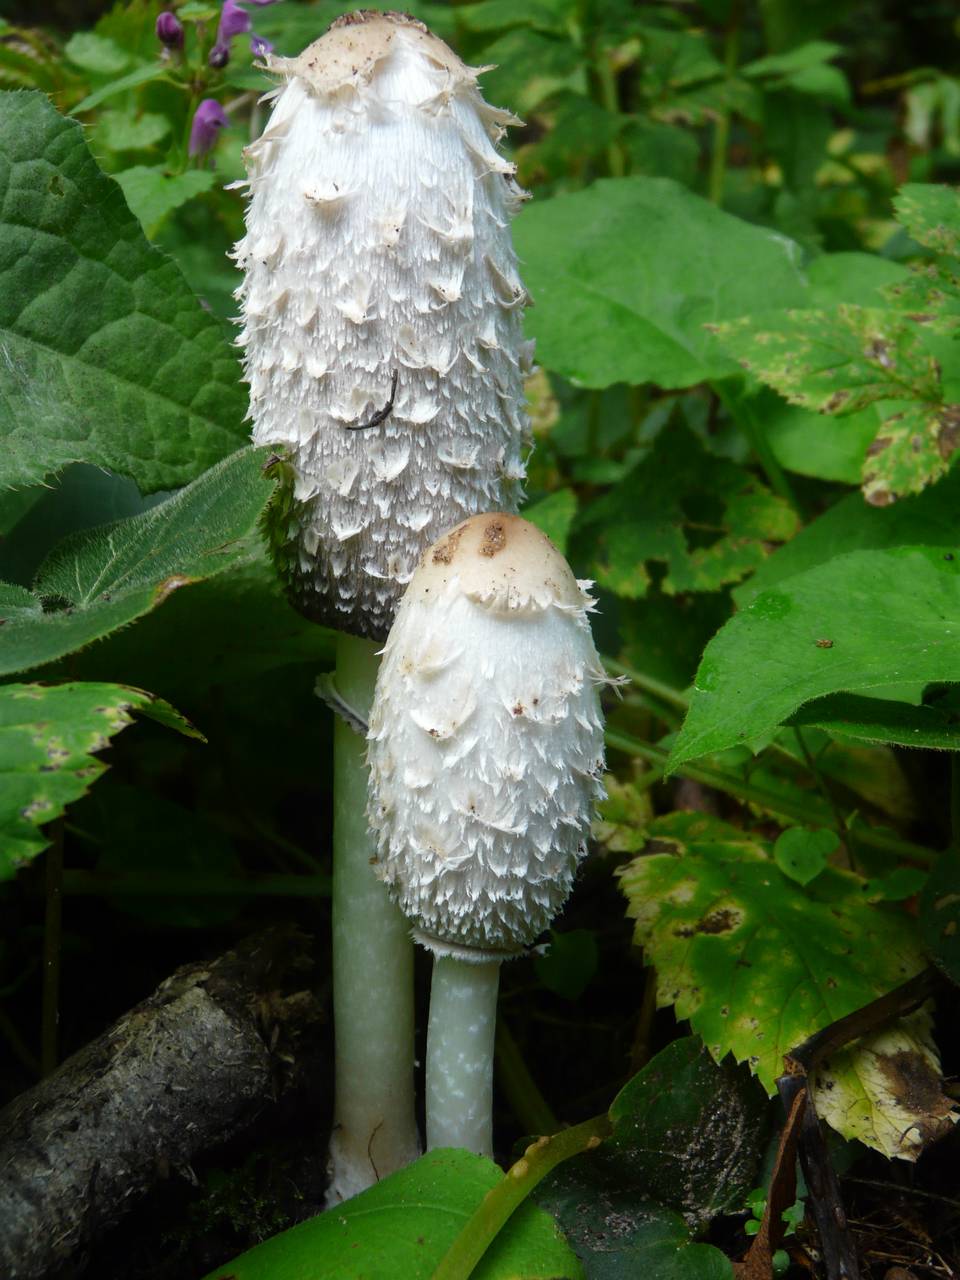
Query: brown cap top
column 348, row 53
column 499, row 559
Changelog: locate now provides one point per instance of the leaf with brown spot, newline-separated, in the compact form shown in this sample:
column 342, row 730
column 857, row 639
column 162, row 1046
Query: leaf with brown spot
column 757, row 963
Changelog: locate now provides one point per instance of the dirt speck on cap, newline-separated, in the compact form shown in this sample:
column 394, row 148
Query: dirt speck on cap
column 444, row 551
column 494, row 538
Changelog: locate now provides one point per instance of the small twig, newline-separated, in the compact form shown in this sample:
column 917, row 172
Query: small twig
column 382, row 414
column 826, row 1203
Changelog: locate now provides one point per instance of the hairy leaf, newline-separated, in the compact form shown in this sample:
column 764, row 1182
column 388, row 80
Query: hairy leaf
column 404, row 1225
column 105, row 354
column 49, row 736
column 758, row 963
column 858, row 623
column 99, row 580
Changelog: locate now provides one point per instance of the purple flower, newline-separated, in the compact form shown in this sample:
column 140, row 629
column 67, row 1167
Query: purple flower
column 219, row 55
column 260, row 47
column 234, row 21
column 169, row 30
column 208, row 120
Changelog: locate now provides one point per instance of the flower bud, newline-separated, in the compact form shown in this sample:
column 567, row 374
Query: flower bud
column 381, row 311
column 486, row 739
column 169, row 30
column 208, row 119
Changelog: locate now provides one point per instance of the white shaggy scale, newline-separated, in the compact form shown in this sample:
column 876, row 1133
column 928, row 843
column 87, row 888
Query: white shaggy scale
column 486, row 740
column 377, row 243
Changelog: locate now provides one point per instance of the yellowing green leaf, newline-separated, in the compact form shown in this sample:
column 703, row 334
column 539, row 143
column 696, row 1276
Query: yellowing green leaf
column 758, row 963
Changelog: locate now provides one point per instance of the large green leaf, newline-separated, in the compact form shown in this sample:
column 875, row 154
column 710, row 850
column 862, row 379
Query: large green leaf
column 99, row 580
column 49, row 735
column 404, row 1225
column 859, row 623
column 626, row 275
column 927, row 519
column 758, row 963
column 619, row 1235
column 689, row 1132
column 108, row 356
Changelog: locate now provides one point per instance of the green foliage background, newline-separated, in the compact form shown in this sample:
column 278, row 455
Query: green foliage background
column 744, row 251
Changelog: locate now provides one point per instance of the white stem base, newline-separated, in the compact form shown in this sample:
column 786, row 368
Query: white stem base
column 375, row 1131
column 460, row 1042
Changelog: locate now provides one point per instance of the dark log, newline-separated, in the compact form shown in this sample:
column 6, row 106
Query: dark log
column 184, row 1071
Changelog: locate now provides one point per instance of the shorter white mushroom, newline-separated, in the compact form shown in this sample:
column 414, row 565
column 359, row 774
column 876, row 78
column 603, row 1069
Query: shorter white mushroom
column 486, row 755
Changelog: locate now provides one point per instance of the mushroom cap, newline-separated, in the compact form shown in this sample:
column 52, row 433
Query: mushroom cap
column 380, row 292
column 486, row 739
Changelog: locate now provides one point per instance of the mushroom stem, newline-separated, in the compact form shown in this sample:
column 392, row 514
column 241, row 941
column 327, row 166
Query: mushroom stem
column 460, row 1043
column 374, row 1131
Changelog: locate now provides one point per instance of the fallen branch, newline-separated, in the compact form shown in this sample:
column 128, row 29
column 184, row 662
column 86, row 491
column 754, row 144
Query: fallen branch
column 185, row 1070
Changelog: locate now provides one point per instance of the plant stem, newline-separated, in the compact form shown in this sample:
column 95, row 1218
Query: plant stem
column 460, row 1046
column 742, row 414
column 769, row 800
column 374, row 1130
column 519, row 1087
column 721, row 128
column 499, row 1203
column 52, row 931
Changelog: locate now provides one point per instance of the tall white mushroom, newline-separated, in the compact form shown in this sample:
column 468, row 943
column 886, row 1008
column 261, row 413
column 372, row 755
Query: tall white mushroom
column 381, row 311
column 486, row 754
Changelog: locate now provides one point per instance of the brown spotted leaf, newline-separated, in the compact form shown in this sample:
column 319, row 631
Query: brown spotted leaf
column 757, row 962
column 836, row 361
column 49, row 739
column 912, row 449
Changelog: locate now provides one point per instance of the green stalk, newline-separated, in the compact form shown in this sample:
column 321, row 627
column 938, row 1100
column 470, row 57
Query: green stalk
column 721, row 128
column 498, row 1204
column 375, row 1131
column 769, row 800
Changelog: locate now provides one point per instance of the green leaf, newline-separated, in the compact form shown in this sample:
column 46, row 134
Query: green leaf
column 626, row 275
column 151, row 193
column 153, row 71
column 620, row 1235
column 940, row 915
column 95, row 53
column 104, row 578
column 802, row 854
column 49, row 736
column 847, row 359
column 858, row 623
column 931, row 214
column 757, row 964
column 710, row 521
column 879, row 720
column 837, row 361
column 927, row 519
column 404, row 1225
column 689, row 1131
column 109, row 358
column 554, row 514
column 126, row 131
